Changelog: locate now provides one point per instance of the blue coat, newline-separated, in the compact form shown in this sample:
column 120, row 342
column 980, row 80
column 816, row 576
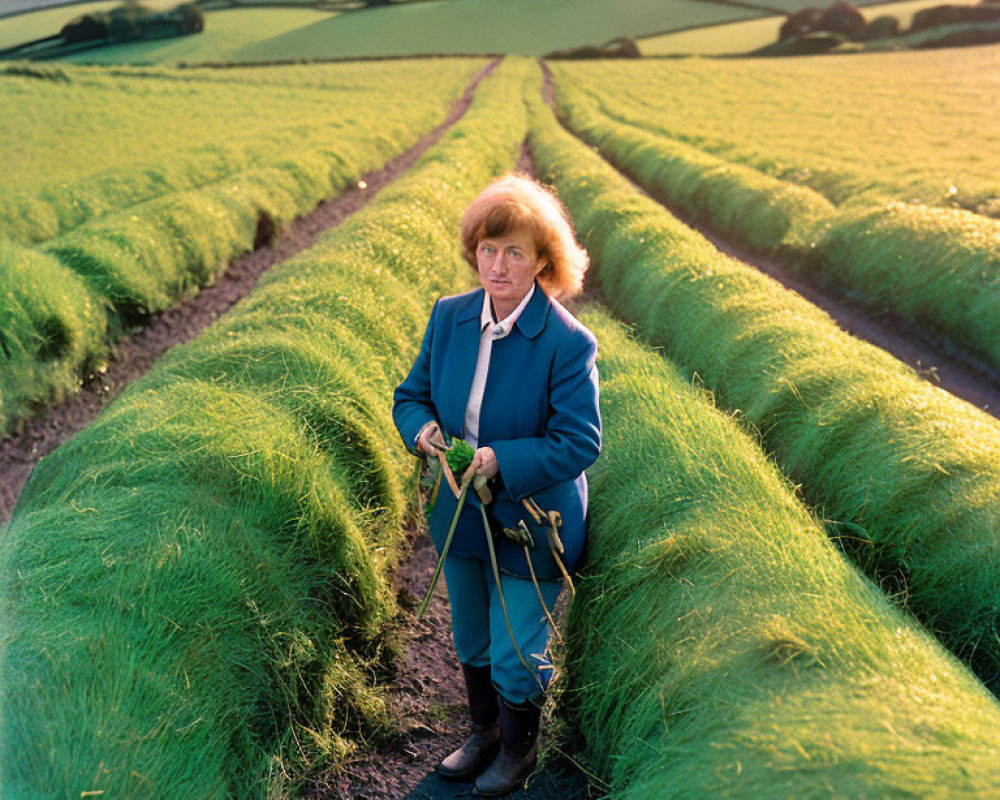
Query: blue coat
column 540, row 414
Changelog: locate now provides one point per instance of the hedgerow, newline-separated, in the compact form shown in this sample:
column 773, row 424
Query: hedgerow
column 720, row 646
column 147, row 257
column 908, row 475
column 193, row 590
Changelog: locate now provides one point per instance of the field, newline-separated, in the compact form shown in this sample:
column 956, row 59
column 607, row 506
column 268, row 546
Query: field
column 99, row 236
column 742, row 37
column 426, row 27
column 822, row 122
column 911, row 231
column 791, row 584
column 227, row 32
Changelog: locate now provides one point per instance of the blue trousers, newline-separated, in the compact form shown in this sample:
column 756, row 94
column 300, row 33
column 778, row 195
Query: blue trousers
column 480, row 630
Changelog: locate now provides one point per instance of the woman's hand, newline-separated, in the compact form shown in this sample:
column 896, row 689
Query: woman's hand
column 430, row 440
column 484, row 462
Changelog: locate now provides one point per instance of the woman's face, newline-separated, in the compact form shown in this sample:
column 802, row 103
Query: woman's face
column 507, row 267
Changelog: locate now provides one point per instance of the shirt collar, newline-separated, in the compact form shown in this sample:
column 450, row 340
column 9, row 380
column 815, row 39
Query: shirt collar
column 504, row 326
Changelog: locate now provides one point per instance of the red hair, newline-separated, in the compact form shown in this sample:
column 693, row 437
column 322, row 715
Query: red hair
column 516, row 202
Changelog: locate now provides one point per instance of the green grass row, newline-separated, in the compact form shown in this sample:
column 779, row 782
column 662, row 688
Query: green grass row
column 937, row 267
column 90, row 141
column 924, row 132
column 720, row 645
column 193, row 590
column 908, row 475
column 68, row 297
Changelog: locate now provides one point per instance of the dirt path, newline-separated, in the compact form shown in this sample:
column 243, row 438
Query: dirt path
column 955, row 370
column 429, row 699
column 134, row 354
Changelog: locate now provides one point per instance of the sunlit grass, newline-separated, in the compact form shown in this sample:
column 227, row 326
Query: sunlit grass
column 141, row 235
column 912, row 472
column 193, row 591
column 925, row 130
column 720, row 646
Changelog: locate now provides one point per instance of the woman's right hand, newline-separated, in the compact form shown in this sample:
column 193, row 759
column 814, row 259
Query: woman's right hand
column 430, row 440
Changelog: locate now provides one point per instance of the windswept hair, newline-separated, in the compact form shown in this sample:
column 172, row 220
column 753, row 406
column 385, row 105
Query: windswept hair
column 515, row 202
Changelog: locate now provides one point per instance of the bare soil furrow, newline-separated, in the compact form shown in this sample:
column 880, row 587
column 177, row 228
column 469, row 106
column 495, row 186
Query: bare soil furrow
column 428, row 695
column 136, row 352
column 936, row 360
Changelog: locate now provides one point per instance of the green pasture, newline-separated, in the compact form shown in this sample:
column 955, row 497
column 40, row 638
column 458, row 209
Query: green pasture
column 730, row 38
column 193, row 591
column 529, row 27
column 924, row 131
column 734, row 38
column 720, row 646
column 907, row 475
column 141, row 236
column 226, row 33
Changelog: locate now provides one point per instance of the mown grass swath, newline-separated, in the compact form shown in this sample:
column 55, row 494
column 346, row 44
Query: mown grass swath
column 924, row 132
column 193, row 590
column 937, row 267
column 720, row 646
column 94, row 140
column 908, row 474
column 143, row 236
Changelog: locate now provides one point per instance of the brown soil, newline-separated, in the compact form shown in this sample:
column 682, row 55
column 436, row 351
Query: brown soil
column 136, row 352
column 429, row 701
column 428, row 697
column 936, row 360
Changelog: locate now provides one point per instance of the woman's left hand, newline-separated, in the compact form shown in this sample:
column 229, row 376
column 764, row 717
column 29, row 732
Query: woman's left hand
column 484, row 462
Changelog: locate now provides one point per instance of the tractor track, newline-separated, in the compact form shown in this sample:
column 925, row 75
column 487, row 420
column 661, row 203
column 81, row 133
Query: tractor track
column 134, row 354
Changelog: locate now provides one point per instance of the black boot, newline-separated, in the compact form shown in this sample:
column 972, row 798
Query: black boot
column 518, row 751
column 472, row 756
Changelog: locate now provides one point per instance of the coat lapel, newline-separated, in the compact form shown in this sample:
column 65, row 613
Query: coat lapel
column 532, row 319
column 465, row 353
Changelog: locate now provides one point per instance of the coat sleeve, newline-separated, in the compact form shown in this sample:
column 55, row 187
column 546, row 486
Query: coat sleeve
column 412, row 407
column 572, row 438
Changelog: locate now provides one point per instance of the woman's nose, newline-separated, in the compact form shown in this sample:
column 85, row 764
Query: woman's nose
column 499, row 263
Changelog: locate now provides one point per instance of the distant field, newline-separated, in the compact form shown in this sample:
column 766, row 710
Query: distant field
column 110, row 121
column 227, row 31
column 747, row 35
column 916, row 126
column 37, row 24
column 530, row 27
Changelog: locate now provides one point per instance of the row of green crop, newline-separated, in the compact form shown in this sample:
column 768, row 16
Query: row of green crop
column 925, row 131
column 720, row 645
column 193, row 590
column 64, row 300
column 97, row 141
column 911, row 474
column 939, row 268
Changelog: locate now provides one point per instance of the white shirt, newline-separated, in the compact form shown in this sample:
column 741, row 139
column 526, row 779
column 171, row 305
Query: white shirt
column 490, row 331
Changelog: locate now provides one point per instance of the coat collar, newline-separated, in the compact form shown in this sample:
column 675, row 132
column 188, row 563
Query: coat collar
column 532, row 319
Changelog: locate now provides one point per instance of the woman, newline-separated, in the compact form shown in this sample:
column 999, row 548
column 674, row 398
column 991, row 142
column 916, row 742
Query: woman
column 508, row 369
